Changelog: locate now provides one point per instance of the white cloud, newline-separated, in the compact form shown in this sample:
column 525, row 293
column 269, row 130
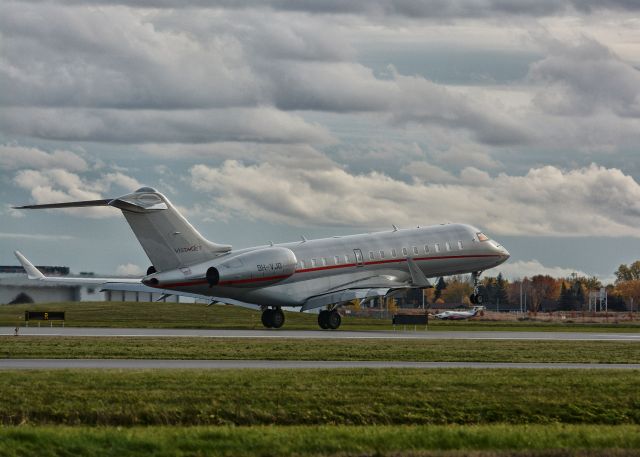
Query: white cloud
column 261, row 124
column 545, row 201
column 584, row 77
column 57, row 185
column 129, row 269
column 529, row 268
column 13, row 157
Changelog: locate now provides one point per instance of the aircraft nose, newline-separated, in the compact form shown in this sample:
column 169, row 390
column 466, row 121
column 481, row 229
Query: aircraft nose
column 504, row 253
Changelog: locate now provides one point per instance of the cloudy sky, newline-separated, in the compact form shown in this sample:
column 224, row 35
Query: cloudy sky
column 264, row 120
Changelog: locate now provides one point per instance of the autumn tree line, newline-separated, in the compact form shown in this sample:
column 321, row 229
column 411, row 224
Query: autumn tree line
column 542, row 292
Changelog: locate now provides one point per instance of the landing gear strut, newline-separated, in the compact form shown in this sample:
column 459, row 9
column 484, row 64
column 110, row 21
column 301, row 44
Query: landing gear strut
column 329, row 319
column 272, row 317
column 476, row 298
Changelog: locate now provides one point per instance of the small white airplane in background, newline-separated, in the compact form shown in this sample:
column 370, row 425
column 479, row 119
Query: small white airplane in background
column 459, row 315
column 308, row 274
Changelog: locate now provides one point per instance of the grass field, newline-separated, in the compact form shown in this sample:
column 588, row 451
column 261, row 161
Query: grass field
column 485, row 440
column 318, row 349
column 359, row 412
column 172, row 315
column 319, row 397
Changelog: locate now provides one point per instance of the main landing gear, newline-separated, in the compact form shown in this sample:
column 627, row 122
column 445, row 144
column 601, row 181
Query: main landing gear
column 272, row 317
column 476, row 298
column 329, row 319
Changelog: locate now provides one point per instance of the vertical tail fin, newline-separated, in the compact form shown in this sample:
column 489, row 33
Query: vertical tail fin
column 169, row 240
column 165, row 235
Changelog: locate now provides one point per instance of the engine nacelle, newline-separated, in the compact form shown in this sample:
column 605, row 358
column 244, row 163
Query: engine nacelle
column 254, row 268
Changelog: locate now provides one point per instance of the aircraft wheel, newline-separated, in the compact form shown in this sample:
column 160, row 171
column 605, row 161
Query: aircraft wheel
column 334, row 320
column 277, row 318
column 473, row 299
column 323, row 319
column 479, row 299
column 267, row 317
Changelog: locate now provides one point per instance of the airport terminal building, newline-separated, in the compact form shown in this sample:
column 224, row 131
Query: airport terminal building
column 16, row 288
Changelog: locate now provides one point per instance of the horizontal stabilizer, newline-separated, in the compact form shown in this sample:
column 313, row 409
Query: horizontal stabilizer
column 68, row 204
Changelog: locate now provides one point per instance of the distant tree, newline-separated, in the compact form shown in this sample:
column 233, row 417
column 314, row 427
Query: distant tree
column 513, row 291
column 591, row 283
column 501, row 296
column 458, row 290
column 578, row 295
column 543, row 290
column 628, row 273
column 630, row 291
column 565, row 301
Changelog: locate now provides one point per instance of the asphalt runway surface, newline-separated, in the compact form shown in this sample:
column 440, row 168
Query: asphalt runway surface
column 137, row 364
column 322, row 334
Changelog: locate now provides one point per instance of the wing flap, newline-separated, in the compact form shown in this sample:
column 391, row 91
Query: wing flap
column 342, row 296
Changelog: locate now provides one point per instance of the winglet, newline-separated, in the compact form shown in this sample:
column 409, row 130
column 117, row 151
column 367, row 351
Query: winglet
column 32, row 272
column 417, row 276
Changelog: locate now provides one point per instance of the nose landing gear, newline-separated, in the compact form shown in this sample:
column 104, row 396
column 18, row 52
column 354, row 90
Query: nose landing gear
column 476, row 298
column 272, row 317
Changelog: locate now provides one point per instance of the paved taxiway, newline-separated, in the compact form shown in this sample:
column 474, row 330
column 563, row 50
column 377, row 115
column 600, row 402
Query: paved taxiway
column 135, row 364
column 310, row 334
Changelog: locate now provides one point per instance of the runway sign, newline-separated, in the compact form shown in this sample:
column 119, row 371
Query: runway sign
column 44, row 315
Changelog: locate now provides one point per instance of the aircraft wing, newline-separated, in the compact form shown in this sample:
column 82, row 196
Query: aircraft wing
column 119, row 284
column 368, row 288
column 34, row 273
column 166, row 292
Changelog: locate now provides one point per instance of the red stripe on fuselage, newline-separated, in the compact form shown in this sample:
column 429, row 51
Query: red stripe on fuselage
column 221, row 283
column 309, row 270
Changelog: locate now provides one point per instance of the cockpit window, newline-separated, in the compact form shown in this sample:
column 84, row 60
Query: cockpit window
column 482, row 236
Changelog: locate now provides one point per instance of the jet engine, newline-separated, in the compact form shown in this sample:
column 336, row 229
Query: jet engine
column 254, row 268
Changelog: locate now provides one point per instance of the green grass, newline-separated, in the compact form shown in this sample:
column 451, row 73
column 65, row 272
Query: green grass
column 487, row 440
column 318, row 349
column 319, row 397
column 172, row 315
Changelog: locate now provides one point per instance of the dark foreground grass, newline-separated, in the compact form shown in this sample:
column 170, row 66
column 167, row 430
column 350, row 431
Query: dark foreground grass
column 318, row 349
column 487, row 440
column 184, row 315
column 319, row 397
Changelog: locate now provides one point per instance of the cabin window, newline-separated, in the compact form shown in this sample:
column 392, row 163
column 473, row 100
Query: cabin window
column 426, row 249
column 436, row 247
column 415, row 250
column 382, row 254
column 336, row 259
column 394, row 253
column 371, row 255
column 405, row 252
column 460, row 244
column 324, row 262
column 482, row 237
column 447, row 245
column 313, row 262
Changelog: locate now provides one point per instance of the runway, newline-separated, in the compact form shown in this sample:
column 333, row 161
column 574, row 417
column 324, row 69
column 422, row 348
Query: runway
column 137, row 364
column 320, row 334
